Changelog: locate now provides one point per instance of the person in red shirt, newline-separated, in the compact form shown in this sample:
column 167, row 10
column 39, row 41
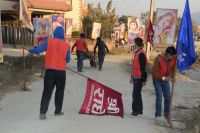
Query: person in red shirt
column 56, row 59
column 138, row 77
column 163, row 72
column 81, row 48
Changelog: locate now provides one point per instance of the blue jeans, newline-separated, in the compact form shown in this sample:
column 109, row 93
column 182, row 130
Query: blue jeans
column 80, row 57
column 162, row 87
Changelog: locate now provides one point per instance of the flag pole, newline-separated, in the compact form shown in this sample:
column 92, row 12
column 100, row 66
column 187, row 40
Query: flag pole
column 171, row 96
column 151, row 17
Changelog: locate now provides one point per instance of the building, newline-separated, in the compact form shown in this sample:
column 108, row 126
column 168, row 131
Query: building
column 76, row 14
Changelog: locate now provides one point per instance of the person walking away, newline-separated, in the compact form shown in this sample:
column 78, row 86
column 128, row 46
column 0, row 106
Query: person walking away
column 138, row 77
column 81, row 48
column 57, row 56
column 102, row 48
column 162, row 73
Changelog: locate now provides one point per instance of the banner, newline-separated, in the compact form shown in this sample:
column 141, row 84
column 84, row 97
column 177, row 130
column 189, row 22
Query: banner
column 101, row 100
column 41, row 26
column 165, row 26
column 25, row 16
column 150, row 32
column 1, row 43
column 68, row 27
column 185, row 43
column 96, row 30
column 57, row 20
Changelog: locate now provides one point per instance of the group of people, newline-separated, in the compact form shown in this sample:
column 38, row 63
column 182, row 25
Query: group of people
column 58, row 55
column 81, row 49
column 162, row 72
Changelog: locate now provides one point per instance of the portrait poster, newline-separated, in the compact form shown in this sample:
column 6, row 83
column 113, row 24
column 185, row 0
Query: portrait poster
column 96, row 30
column 68, row 27
column 57, row 20
column 133, row 29
column 165, row 26
column 41, row 26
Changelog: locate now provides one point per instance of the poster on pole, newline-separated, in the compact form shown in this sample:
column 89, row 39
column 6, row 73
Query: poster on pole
column 133, row 29
column 165, row 26
column 57, row 20
column 25, row 16
column 1, row 43
column 68, row 27
column 41, row 26
column 96, row 30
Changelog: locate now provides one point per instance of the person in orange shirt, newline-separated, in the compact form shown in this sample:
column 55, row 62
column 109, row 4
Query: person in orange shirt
column 56, row 59
column 81, row 48
column 163, row 72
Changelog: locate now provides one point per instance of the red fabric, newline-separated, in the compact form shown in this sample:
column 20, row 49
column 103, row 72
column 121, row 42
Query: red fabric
column 166, row 67
column 101, row 100
column 80, row 45
column 56, row 54
column 150, row 32
column 136, row 72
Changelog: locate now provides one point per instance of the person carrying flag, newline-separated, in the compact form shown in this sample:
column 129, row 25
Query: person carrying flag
column 162, row 73
column 56, row 59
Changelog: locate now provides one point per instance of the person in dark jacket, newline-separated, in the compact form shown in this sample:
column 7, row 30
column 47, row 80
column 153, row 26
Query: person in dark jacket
column 56, row 59
column 138, row 77
column 102, row 48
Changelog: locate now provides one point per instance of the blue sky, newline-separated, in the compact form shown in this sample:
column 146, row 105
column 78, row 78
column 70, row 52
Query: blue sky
column 136, row 7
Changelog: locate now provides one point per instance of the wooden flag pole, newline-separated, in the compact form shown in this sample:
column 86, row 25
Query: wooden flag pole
column 151, row 17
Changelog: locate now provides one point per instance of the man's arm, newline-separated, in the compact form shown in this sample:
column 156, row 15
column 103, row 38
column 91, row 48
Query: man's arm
column 73, row 47
column 95, row 47
column 143, row 70
column 106, row 48
column 40, row 48
column 68, row 57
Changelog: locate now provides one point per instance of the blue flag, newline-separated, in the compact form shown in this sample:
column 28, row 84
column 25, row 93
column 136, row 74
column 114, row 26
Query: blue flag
column 185, row 44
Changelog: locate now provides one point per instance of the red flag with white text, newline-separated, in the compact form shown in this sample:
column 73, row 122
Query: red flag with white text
column 150, row 32
column 101, row 100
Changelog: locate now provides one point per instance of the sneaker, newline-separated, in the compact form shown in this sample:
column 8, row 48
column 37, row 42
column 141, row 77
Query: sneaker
column 158, row 120
column 57, row 114
column 42, row 116
column 134, row 114
column 165, row 122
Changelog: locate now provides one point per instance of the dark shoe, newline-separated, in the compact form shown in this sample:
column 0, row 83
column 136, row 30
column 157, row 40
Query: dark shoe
column 57, row 114
column 42, row 116
column 134, row 114
column 140, row 113
column 100, row 69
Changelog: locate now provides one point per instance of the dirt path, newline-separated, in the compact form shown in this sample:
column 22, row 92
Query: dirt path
column 19, row 111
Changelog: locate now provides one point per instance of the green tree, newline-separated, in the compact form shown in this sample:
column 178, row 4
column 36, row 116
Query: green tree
column 107, row 19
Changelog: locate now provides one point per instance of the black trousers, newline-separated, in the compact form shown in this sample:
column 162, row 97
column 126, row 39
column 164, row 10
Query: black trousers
column 53, row 78
column 137, row 105
column 101, row 60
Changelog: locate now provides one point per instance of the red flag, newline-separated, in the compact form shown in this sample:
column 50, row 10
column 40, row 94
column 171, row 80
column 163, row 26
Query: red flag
column 150, row 32
column 101, row 100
